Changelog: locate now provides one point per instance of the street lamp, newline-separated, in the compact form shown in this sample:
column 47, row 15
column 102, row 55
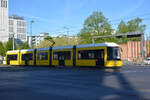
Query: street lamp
column 14, row 41
column 31, row 22
column 12, row 38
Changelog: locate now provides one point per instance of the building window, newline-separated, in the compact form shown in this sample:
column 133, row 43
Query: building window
column 11, row 29
column 4, row 3
column 11, row 22
column 21, row 36
column 18, row 23
column 21, row 30
column 21, row 23
column 18, row 30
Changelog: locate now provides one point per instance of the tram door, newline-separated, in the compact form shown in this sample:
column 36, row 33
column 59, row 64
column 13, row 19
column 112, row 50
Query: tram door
column 61, row 58
column 26, row 61
column 27, row 57
column 99, row 55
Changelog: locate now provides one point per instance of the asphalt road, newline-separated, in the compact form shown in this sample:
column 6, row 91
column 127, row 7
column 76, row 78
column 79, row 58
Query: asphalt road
column 44, row 83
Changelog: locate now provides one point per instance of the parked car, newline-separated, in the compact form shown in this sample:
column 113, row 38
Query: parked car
column 147, row 61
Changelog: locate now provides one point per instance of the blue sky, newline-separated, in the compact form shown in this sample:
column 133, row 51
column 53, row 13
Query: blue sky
column 53, row 15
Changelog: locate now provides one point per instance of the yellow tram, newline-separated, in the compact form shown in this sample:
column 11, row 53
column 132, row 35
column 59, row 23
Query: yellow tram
column 12, row 57
column 27, row 57
column 91, row 55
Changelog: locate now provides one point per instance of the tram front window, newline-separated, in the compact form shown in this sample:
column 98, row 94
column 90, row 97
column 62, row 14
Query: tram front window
column 113, row 53
column 116, row 54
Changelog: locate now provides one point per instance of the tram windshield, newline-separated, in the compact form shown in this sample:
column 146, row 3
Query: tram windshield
column 113, row 53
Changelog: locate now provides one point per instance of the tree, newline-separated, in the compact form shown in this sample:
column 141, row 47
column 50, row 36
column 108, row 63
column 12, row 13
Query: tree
column 25, row 46
column 44, row 44
column 62, row 40
column 50, row 39
column 95, row 25
column 2, row 49
column 133, row 25
column 122, row 27
column 136, row 26
column 9, row 45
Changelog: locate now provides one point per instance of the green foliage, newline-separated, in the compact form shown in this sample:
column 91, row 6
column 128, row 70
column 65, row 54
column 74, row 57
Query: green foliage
column 95, row 25
column 44, row 44
column 98, row 25
column 25, row 46
column 122, row 27
column 59, row 41
column 50, row 39
column 2, row 49
column 9, row 45
column 131, row 26
column 64, row 40
column 135, row 25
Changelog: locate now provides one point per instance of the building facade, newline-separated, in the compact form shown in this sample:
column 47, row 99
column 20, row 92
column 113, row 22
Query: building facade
column 17, row 29
column 36, row 39
column 4, row 34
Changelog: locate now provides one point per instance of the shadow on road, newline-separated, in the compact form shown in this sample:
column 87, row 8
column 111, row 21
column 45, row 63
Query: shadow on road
column 70, row 84
column 126, row 90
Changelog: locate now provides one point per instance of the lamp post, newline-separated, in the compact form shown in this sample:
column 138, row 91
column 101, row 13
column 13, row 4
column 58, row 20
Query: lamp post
column 14, row 41
column 31, row 22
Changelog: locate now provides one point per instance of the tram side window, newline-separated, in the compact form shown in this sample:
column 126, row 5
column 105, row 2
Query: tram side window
column 86, row 54
column 55, row 57
column 12, row 57
column 91, row 55
column 28, row 56
column 65, row 54
column 43, row 56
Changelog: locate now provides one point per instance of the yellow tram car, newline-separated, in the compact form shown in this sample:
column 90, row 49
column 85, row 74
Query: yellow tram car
column 42, row 57
column 27, row 57
column 12, row 57
column 62, row 56
column 91, row 55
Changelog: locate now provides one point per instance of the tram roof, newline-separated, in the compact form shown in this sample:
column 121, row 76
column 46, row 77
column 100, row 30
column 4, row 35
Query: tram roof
column 98, row 45
column 42, row 49
column 14, row 51
column 63, row 47
column 27, row 50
